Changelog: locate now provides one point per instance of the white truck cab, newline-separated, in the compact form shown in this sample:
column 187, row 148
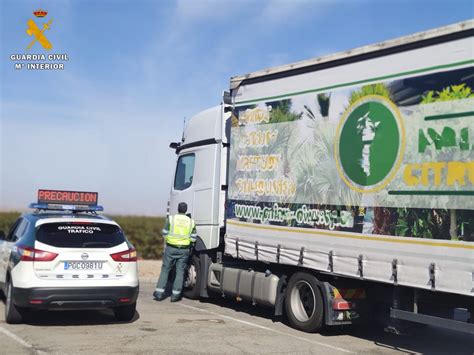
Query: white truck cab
column 200, row 175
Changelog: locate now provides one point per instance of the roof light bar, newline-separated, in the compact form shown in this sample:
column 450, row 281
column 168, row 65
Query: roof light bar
column 74, row 208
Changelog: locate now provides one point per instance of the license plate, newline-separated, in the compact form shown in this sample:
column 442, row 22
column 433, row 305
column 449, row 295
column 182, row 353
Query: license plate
column 83, row 265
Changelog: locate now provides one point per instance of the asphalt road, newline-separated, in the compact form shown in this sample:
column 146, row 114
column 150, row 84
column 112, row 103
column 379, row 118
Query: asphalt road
column 220, row 326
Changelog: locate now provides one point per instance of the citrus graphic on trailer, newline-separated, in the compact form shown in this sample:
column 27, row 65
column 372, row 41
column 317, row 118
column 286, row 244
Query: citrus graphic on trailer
column 369, row 143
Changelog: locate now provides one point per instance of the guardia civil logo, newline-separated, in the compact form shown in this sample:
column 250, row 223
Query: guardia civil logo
column 369, row 143
column 38, row 32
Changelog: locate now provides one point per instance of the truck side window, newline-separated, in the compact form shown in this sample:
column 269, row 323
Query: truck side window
column 184, row 172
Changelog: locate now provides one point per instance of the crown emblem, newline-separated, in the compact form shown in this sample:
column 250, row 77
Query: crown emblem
column 40, row 13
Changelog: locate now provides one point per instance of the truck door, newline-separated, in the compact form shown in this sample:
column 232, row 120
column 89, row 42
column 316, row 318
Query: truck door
column 196, row 182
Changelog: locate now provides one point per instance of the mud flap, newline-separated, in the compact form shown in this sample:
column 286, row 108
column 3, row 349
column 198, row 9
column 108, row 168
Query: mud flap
column 280, row 301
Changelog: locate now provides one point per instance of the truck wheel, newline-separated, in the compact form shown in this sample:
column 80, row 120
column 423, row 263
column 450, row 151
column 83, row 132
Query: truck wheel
column 125, row 313
column 304, row 303
column 12, row 313
column 192, row 280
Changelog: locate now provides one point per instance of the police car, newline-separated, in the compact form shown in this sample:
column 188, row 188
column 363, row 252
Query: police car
column 66, row 256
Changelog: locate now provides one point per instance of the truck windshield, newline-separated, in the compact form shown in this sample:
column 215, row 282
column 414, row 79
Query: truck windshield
column 80, row 235
column 184, row 172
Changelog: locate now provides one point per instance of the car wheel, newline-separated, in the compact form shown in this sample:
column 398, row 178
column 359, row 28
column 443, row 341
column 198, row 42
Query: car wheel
column 125, row 313
column 304, row 303
column 12, row 313
column 192, row 280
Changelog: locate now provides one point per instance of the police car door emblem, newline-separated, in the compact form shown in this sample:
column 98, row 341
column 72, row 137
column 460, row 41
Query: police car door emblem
column 85, row 256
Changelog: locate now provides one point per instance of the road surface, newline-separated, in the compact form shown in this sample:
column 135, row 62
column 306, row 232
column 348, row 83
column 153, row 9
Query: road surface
column 218, row 327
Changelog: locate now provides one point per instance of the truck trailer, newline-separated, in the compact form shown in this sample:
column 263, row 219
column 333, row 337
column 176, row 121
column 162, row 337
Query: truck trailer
column 340, row 189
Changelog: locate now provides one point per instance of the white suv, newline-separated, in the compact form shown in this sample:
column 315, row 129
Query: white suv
column 67, row 260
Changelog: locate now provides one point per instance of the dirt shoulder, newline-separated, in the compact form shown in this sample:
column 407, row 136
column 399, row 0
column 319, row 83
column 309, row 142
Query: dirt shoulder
column 149, row 270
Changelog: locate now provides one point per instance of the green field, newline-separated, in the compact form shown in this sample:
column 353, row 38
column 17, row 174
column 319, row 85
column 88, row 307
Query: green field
column 143, row 232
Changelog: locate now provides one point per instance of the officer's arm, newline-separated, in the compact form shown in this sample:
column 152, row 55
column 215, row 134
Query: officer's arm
column 166, row 227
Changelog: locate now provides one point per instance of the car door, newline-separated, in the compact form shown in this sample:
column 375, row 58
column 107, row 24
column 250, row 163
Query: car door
column 5, row 250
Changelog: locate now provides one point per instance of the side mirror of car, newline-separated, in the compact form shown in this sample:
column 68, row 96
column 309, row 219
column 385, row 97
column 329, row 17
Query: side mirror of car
column 2, row 235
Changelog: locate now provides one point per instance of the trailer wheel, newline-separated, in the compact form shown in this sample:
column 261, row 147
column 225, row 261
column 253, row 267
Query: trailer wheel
column 192, row 278
column 304, row 303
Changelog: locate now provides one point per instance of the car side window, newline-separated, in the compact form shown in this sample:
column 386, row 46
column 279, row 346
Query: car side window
column 20, row 230
column 184, row 172
column 13, row 229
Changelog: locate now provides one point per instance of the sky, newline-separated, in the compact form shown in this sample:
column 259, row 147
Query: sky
column 136, row 68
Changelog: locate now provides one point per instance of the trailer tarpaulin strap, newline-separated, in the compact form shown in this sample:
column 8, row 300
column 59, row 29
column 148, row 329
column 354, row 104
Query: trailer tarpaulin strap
column 300, row 261
column 237, row 247
column 278, row 253
column 433, row 276
column 331, row 263
column 395, row 271
column 360, row 261
column 256, row 250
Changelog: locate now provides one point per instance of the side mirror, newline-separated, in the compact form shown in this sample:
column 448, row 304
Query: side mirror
column 174, row 145
column 2, row 235
column 227, row 98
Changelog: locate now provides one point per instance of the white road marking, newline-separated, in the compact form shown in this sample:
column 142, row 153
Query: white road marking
column 268, row 329
column 19, row 340
column 16, row 338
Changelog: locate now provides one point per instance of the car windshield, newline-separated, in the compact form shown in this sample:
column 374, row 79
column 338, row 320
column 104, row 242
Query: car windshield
column 80, row 235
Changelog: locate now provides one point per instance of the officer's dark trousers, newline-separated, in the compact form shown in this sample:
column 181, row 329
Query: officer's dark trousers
column 173, row 257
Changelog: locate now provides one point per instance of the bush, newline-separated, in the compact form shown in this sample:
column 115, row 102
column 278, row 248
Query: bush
column 7, row 219
column 143, row 232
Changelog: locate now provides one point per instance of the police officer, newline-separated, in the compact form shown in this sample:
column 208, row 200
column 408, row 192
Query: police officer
column 179, row 233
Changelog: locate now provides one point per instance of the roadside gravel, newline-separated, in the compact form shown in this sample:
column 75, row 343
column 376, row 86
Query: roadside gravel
column 149, row 271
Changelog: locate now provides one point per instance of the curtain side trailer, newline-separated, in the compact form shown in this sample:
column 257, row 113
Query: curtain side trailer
column 340, row 188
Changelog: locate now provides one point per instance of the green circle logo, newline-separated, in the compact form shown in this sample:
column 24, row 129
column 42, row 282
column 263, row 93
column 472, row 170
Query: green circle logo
column 370, row 144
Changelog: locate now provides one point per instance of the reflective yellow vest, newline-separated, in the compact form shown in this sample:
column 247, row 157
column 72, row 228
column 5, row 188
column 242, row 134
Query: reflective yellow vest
column 180, row 229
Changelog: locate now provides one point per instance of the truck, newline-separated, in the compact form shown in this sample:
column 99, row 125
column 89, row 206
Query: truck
column 339, row 190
